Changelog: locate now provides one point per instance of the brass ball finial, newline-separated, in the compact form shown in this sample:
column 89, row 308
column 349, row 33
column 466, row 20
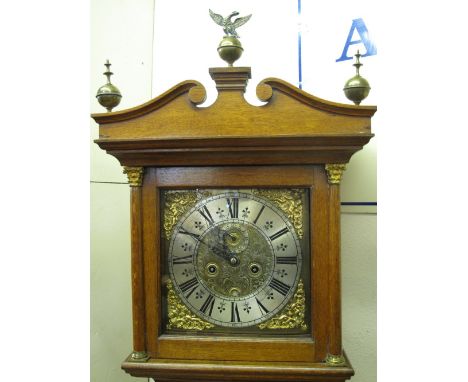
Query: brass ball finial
column 230, row 49
column 357, row 88
column 108, row 95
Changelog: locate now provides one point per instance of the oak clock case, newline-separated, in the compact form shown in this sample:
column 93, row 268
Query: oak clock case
column 235, row 230
column 235, row 261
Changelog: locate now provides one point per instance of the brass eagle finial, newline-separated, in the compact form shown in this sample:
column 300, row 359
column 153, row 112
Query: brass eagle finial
column 229, row 27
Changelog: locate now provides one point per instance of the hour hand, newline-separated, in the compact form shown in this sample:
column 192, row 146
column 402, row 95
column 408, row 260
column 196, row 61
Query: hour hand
column 226, row 254
column 221, row 249
column 221, row 252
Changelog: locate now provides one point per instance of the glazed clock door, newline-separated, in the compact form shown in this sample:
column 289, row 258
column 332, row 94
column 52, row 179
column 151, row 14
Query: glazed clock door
column 231, row 258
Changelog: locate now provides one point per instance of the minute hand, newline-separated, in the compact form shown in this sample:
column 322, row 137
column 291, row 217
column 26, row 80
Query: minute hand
column 222, row 252
column 218, row 251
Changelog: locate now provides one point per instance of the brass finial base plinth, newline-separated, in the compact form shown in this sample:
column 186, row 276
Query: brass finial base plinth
column 230, row 49
column 139, row 356
column 335, row 360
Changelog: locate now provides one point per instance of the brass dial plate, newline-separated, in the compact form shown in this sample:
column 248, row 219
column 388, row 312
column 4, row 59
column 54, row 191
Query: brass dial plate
column 234, row 259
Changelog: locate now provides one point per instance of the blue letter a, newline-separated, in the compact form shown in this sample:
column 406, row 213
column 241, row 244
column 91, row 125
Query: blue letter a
column 361, row 28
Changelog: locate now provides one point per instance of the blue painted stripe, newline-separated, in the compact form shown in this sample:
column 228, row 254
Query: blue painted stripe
column 299, row 43
column 359, row 203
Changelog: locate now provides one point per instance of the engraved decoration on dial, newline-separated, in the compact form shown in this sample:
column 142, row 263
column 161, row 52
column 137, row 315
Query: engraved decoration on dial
column 234, row 259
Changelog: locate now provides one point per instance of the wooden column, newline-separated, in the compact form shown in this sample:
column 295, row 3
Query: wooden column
column 135, row 180
column 335, row 350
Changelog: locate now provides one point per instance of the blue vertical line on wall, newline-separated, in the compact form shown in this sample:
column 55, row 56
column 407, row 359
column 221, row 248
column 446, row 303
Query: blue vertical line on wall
column 299, row 42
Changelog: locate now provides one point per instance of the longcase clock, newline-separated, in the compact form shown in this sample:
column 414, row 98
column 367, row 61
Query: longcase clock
column 235, row 230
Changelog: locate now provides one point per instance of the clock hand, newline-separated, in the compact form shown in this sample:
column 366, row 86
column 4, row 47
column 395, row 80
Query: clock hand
column 221, row 248
column 232, row 256
column 225, row 254
column 222, row 252
column 217, row 250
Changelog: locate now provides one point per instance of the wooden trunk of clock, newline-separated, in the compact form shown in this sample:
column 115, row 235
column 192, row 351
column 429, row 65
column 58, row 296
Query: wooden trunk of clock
column 285, row 157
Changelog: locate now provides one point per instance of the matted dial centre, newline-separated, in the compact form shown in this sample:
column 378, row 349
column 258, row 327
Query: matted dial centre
column 240, row 252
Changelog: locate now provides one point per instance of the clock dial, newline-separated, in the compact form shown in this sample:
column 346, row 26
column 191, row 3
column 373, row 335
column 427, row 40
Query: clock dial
column 234, row 259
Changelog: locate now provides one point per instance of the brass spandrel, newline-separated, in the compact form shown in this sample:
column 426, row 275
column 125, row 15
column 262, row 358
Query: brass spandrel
column 290, row 201
column 180, row 317
column 292, row 316
column 176, row 204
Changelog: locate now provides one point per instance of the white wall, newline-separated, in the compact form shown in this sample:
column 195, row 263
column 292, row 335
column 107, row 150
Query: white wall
column 359, row 292
column 122, row 31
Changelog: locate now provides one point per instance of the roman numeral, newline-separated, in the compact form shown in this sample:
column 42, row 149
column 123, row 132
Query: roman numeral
column 208, row 304
column 258, row 215
column 280, row 287
column 279, row 233
column 206, row 214
column 194, row 235
column 189, row 285
column 234, row 312
column 261, row 306
column 286, row 260
column 182, row 260
column 233, row 205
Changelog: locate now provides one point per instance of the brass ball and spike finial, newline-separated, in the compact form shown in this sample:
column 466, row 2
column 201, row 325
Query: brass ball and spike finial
column 108, row 95
column 357, row 88
column 230, row 48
